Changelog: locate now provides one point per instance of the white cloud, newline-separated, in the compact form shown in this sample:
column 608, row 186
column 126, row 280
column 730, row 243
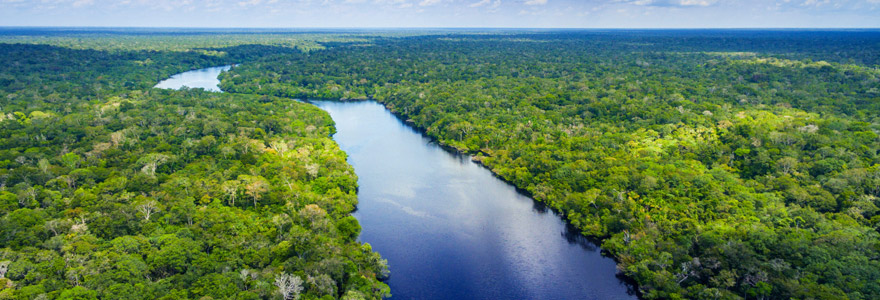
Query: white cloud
column 695, row 2
column 490, row 3
column 249, row 3
column 536, row 2
column 79, row 3
column 429, row 2
column 669, row 3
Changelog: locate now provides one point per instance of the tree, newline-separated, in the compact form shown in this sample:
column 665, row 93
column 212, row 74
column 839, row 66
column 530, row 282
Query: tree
column 4, row 267
column 289, row 286
column 44, row 165
column 255, row 186
column 787, row 164
column 71, row 160
column 152, row 161
column 230, row 188
column 78, row 293
column 246, row 275
column 148, row 208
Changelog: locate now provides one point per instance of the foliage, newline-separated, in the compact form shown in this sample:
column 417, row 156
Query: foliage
column 713, row 164
column 112, row 190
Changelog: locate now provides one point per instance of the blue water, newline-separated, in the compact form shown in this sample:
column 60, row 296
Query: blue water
column 201, row 78
column 448, row 228
column 451, row 230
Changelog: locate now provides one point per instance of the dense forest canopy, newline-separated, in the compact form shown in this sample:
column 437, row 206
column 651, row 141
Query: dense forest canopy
column 712, row 164
column 110, row 189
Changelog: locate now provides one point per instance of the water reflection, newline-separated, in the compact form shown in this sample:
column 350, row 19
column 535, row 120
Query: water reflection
column 451, row 230
column 201, row 78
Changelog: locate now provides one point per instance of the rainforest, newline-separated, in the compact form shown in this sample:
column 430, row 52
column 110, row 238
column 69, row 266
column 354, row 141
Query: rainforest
column 708, row 164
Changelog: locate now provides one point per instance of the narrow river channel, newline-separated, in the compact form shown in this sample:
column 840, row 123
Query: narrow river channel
column 450, row 229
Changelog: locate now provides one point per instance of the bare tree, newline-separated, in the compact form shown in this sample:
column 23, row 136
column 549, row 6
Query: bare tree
column 57, row 226
column 230, row 187
column 80, row 227
column 29, row 193
column 312, row 170
column 688, row 270
column 4, row 267
column 289, row 286
column 44, row 165
column 787, row 164
column 117, row 138
column 281, row 147
column 280, row 221
column 147, row 209
column 151, row 162
column 226, row 151
column 246, row 275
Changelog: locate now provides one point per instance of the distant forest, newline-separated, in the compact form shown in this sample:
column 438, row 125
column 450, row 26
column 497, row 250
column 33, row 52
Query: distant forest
column 711, row 164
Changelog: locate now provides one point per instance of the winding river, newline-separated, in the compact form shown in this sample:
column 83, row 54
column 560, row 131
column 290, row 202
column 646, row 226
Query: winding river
column 202, row 78
column 450, row 229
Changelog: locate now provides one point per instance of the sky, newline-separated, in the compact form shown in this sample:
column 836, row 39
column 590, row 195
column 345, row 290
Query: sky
column 444, row 13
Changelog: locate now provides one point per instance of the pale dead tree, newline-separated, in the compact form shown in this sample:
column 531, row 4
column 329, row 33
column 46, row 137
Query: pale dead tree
column 230, row 188
column 246, row 275
column 3, row 179
column 70, row 180
column 289, row 286
column 754, row 278
column 289, row 183
column 620, row 195
column 812, row 128
column 151, row 162
column 312, row 170
column 4, row 267
column 147, row 209
column 280, row 147
column 463, row 129
column 30, row 193
column 688, row 270
column 280, row 221
column 682, row 110
column 787, row 164
column 74, row 276
column 756, row 141
column 783, row 138
column 117, row 138
column 80, row 227
column 227, row 151
column 44, row 165
column 56, row 226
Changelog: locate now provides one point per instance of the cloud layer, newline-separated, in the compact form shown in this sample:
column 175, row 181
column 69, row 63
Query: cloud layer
column 443, row 13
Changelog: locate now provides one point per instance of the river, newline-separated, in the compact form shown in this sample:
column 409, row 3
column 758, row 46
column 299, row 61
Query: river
column 201, row 78
column 450, row 229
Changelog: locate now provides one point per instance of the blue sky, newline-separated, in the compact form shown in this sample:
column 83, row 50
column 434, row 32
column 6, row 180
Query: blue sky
column 444, row 13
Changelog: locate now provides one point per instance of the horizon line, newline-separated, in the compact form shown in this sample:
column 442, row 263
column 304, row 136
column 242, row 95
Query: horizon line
column 431, row 28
